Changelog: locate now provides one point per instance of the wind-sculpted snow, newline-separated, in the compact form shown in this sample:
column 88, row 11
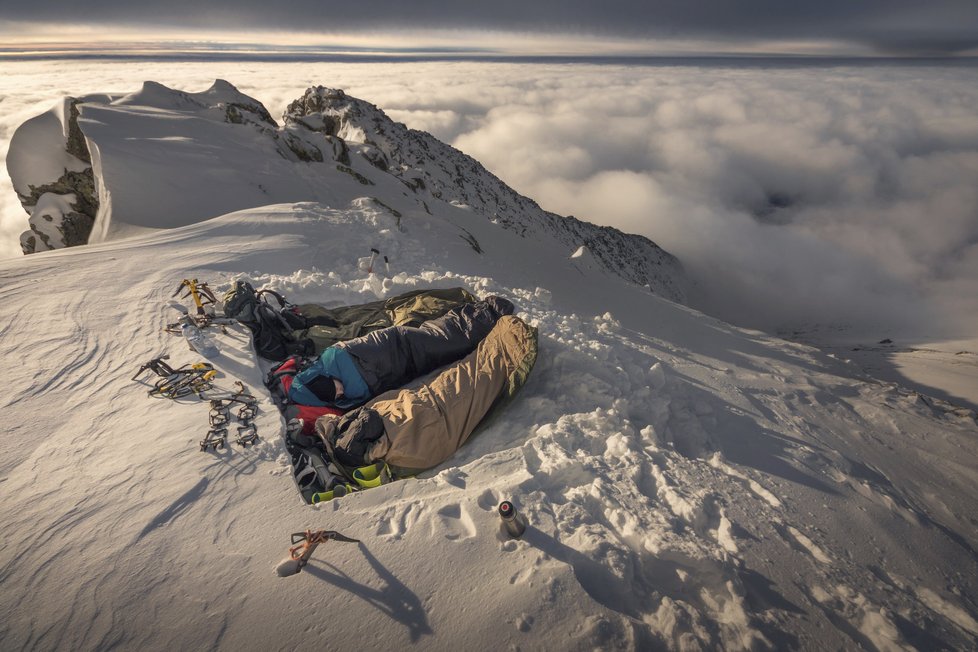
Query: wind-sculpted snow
column 688, row 485
column 163, row 158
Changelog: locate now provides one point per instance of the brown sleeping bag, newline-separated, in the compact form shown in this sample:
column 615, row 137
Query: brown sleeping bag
column 417, row 428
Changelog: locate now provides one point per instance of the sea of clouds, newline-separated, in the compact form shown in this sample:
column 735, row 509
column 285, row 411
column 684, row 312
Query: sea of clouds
column 842, row 195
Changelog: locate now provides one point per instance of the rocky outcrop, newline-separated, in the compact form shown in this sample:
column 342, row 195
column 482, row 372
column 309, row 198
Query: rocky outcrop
column 430, row 167
column 61, row 213
column 75, row 141
column 51, row 168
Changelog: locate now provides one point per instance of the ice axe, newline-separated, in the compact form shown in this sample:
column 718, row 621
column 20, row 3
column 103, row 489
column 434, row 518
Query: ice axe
column 307, row 542
column 373, row 257
column 199, row 291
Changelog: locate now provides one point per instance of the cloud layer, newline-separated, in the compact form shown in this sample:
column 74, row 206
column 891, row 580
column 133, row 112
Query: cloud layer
column 844, row 195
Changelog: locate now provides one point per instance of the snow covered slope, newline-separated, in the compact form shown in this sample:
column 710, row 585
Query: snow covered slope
column 162, row 158
column 688, row 484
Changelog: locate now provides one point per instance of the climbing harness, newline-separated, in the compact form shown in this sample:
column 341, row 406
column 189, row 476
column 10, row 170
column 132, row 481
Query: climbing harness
column 308, row 541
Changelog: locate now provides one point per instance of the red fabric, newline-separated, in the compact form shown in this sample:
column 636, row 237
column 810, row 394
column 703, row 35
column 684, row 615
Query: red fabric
column 309, row 414
column 285, row 374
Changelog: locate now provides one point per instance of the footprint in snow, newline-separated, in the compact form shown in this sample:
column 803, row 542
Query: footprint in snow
column 454, row 523
column 488, row 500
column 398, row 520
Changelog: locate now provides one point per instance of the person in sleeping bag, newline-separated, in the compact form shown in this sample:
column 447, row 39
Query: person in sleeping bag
column 350, row 373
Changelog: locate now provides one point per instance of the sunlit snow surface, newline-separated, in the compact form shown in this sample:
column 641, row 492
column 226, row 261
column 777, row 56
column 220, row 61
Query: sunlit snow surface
column 688, row 484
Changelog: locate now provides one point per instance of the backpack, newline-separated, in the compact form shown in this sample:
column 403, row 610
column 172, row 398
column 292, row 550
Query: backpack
column 279, row 380
column 271, row 325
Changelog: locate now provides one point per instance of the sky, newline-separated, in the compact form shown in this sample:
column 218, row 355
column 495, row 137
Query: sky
column 869, row 27
column 843, row 195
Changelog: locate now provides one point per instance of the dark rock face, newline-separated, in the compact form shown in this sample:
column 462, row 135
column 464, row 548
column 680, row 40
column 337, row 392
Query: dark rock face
column 238, row 113
column 73, row 223
column 356, row 175
column 341, row 151
column 81, row 184
column 74, row 229
column 76, row 225
column 302, row 150
column 318, row 100
column 75, row 143
column 376, row 158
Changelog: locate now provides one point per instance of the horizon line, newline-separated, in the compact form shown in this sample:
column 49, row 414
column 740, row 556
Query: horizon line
column 305, row 54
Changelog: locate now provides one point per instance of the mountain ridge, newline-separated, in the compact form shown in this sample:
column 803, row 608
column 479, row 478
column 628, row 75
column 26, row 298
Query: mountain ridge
column 459, row 177
column 320, row 131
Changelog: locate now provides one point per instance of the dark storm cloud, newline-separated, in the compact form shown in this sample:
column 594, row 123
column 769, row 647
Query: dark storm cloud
column 935, row 27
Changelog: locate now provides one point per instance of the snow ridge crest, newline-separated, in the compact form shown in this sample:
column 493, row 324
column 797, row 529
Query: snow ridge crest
column 99, row 166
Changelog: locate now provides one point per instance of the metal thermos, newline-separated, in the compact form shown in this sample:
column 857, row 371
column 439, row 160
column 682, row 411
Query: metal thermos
column 513, row 522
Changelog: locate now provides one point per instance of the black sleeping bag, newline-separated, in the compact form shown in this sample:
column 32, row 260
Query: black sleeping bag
column 394, row 356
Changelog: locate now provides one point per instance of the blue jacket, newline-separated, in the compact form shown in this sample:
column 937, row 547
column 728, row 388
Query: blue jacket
column 335, row 363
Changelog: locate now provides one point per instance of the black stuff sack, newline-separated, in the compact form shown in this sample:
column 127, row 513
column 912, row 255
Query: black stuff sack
column 271, row 325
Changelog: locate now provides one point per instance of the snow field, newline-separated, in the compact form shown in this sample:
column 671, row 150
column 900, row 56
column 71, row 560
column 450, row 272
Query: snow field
column 688, row 484
column 619, row 452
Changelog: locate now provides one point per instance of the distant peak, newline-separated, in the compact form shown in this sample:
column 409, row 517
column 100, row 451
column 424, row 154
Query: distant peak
column 150, row 86
column 222, row 86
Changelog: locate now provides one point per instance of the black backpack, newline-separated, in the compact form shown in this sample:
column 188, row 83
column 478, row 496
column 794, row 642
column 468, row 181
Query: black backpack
column 271, row 325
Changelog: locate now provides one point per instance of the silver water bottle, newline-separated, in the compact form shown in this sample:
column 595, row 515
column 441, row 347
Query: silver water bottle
column 513, row 522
